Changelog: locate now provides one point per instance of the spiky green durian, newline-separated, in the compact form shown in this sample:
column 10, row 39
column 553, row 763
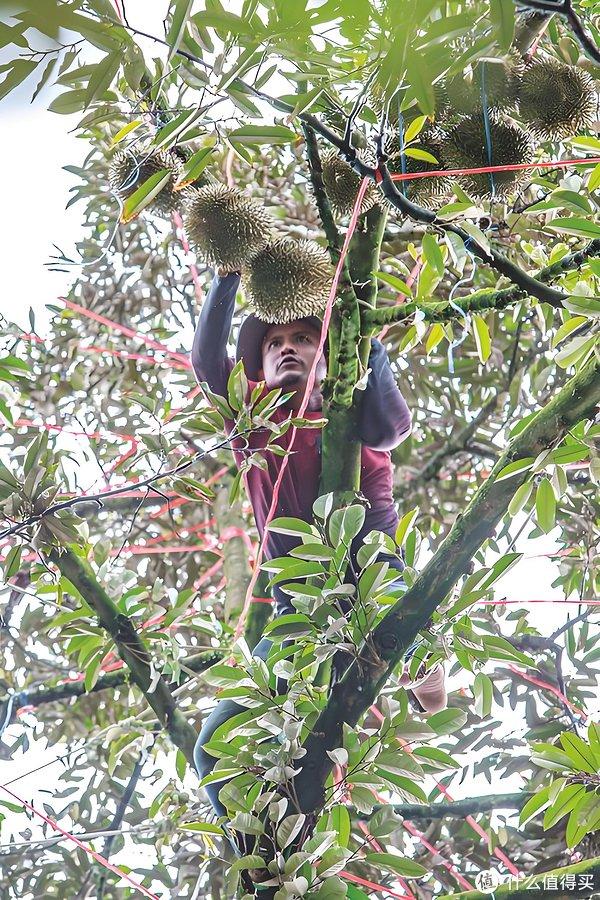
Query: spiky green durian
column 342, row 184
column 428, row 192
column 466, row 148
column 557, row 100
column 495, row 80
column 130, row 169
column 225, row 227
column 288, row 280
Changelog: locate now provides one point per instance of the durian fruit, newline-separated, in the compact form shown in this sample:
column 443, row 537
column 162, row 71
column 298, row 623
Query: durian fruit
column 557, row 100
column 288, row 280
column 428, row 192
column 342, row 183
column 224, row 226
column 129, row 170
column 466, row 148
column 501, row 79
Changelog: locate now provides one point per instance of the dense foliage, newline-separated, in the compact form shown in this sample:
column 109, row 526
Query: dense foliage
column 119, row 615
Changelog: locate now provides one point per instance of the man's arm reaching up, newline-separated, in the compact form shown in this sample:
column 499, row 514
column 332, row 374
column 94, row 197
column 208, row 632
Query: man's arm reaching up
column 209, row 350
column 385, row 419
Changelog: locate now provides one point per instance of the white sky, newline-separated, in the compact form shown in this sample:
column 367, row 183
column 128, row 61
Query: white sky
column 35, row 193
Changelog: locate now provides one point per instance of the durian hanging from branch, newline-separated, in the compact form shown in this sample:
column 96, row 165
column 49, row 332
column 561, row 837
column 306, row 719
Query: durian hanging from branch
column 470, row 145
column 557, row 100
column 342, row 185
column 288, row 280
column 429, row 192
column 225, row 227
column 131, row 171
column 491, row 82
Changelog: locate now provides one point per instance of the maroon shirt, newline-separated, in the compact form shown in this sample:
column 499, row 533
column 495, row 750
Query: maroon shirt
column 384, row 422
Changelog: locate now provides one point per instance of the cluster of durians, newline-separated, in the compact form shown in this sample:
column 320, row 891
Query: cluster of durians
column 284, row 278
column 553, row 101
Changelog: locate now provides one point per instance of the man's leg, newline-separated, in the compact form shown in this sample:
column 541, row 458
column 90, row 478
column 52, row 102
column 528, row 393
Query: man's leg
column 223, row 711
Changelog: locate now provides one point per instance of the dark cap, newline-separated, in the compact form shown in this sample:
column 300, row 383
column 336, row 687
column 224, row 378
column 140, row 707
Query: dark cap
column 250, row 338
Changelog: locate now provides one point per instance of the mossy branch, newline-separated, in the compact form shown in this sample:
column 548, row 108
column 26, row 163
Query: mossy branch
column 460, row 808
column 388, row 642
column 480, row 301
column 130, row 647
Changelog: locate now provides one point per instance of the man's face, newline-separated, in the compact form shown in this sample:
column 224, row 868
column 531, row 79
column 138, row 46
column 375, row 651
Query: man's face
column 288, row 352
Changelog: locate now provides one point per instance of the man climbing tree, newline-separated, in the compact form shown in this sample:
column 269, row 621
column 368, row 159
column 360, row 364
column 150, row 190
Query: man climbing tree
column 282, row 355
column 419, row 172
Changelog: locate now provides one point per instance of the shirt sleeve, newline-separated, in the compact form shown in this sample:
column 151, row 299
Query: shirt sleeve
column 209, row 350
column 385, row 419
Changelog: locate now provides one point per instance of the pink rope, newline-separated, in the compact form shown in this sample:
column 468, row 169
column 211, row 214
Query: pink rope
column 307, row 393
column 516, row 167
column 128, row 332
column 89, row 850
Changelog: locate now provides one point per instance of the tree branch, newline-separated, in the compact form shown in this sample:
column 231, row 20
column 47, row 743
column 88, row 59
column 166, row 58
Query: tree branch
column 480, row 301
column 460, row 808
column 131, row 649
column 535, row 885
column 65, row 692
column 565, row 9
column 388, row 642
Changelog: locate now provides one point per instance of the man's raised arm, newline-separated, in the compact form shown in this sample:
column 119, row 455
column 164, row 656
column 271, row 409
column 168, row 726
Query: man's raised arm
column 209, row 350
column 385, row 419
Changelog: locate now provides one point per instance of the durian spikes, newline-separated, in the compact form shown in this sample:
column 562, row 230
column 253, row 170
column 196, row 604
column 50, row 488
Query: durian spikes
column 288, row 280
column 467, row 148
column 342, row 183
column 428, row 192
column 226, row 227
column 557, row 100
column 129, row 170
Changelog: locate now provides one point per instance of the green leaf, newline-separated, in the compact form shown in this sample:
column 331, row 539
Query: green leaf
column 414, row 128
column 20, row 69
column 534, row 805
column 515, row 468
column 483, row 693
column 482, row 338
column 575, row 351
column 405, row 525
column 144, row 195
column 435, row 336
column 247, row 823
column 262, row 134
column 520, row 498
column 69, row 102
column 180, row 764
column 574, row 225
column 421, row 82
column 339, row 819
column 394, row 282
column 545, row 505
column 294, row 624
column 580, row 752
column 102, row 76
column 502, row 15
column 447, row 720
column 289, row 829
column 125, row 130
column 203, row 828
column 194, row 167
column 567, row 799
column 433, row 254
column 179, row 19
column 12, row 562
column 408, row 868
column 252, row 861
column 295, row 527
column 583, row 306
column 566, row 328
column 594, row 179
